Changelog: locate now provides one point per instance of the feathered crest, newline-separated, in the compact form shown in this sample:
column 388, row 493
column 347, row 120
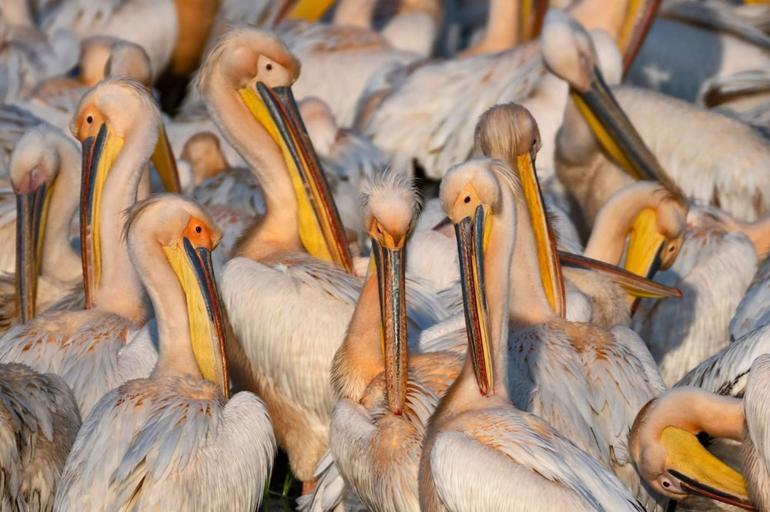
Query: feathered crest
column 393, row 186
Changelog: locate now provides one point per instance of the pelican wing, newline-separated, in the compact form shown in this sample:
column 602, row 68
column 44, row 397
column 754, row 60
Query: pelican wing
column 38, row 423
column 170, row 444
column 83, row 347
column 330, row 488
column 727, row 371
column 756, row 438
column 424, row 115
column 754, row 309
column 516, row 460
column 713, row 270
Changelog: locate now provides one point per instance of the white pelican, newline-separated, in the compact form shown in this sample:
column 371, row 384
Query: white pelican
column 672, row 460
column 509, row 133
column 610, row 372
column 699, row 162
column 422, row 112
column 481, row 452
column 38, row 423
column 97, row 349
column 384, row 394
column 287, row 291
column 174, row 440
column 45, row 175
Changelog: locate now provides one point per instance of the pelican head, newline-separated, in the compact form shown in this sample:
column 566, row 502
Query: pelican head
column 34, row 169
column 170, row 240
column 668, row 455
column 94, row 54
column 129, row 60
column 253, row 70
column 510, row 133
column 204, row 154
column 569, row 53
column 390, row 208
column 471, row 196
column 658, row 232
column 116, row 115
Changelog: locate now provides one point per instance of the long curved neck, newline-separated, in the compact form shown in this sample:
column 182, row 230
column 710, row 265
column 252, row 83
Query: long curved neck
column 698, row 411
column 175, row 354
column 120, row 290
column 615, row 220
column 528, row 303
column 359, row 358
column 277, row 231
column 59, row 259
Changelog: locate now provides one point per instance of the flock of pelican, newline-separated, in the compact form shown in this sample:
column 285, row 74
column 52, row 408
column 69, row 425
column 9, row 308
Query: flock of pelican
column 445, row 256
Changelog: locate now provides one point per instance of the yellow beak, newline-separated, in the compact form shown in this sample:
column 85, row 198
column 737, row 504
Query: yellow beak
column 640, row 15
column 471, row 235
column 206, row 315
column 309, row 10
column 616, row 135
column 531, row 15
column 31, row 215
column 99, row 154
column 548, row 259
column 320, row 227
column 700, row 472
column 165, row 163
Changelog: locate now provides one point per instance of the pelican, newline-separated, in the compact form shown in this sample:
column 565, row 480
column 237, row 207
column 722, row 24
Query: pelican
column 176, row 439
column 422, row 112
column 672, row 460
column 384, row 394
column 45, row 175
column 38, row 423
column 297, row 250
column 701, row 166
column 101, row 347
column 610, row 371
column 505, row 132
column 513, row 458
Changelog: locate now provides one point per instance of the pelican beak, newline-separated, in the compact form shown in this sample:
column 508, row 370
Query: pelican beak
column 531, row 15
column 615, row 133
column 165, row 163
column 644, row 254
column 639, row 17
column 390, row 262
column 309, row 10
column 320, row 227
column 548, row 259
column 31, row 213
column 472, row 233
column 100, row 150
column 634, row 285
column 700, row 472
column 191, row 261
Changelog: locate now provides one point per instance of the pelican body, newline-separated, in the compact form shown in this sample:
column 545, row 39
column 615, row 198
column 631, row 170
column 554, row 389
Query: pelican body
column 476, row 434
column 160, row 442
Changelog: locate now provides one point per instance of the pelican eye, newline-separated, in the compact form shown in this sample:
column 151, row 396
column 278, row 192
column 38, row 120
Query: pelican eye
column 90, row 119
column 198, row 229
column 269, row 67
column 467, row 199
